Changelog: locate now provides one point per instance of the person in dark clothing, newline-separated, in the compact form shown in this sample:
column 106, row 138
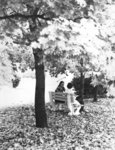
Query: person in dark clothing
column 78, row 98
column 60, row 87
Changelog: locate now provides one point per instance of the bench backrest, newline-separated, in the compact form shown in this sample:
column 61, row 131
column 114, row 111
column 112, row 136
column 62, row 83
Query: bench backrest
column 58, row 97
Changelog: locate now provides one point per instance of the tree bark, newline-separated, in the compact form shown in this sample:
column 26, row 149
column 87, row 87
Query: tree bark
column 40, row 112
column 82, row 87
column 95, row 89
column 95, row 93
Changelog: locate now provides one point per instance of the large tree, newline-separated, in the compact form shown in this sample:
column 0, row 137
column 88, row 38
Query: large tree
column 23, row 20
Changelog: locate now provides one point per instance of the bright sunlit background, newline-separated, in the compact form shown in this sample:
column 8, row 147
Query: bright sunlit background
column 25, row 92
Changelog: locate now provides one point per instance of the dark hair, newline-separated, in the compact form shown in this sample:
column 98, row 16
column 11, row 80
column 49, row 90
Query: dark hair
column 61, row 83
column 69, row 85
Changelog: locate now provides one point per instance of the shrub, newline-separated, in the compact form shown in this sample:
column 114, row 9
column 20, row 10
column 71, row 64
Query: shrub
column 88, row 88
column 15, row 81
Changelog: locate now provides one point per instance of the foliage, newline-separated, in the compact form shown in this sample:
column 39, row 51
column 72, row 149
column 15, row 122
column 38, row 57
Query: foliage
column 15, row 81
column 20, row 26
column 6, row 72
column 92, row 130
column 89, row 38
column 13, row 59
column 89, row 88
column 22, row 57
column 75, row 41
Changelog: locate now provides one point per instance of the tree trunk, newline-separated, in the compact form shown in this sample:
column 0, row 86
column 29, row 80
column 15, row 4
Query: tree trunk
column 95, row 89
column 81, row 86
column 40, row 112
column 95, row 93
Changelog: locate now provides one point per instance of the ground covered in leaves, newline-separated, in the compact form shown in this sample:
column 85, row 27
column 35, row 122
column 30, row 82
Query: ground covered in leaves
column 93, row 130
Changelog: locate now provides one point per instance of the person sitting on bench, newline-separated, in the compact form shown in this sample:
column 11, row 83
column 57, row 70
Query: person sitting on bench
column 73, row 105
column 60, row 87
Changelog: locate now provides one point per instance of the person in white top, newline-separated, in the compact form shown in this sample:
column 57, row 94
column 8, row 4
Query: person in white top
column 73, row 105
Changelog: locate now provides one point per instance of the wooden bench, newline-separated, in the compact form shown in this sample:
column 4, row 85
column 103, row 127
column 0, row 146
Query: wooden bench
column 59, row 98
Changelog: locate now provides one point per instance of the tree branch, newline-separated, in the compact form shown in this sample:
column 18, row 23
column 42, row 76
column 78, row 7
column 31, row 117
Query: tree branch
column 18, row 15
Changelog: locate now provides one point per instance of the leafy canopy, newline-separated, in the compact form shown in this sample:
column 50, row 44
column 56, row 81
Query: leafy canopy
column 76, row 40
column 77, row 35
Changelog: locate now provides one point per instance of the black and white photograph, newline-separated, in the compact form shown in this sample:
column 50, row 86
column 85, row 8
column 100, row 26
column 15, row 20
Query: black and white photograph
column 57, row 74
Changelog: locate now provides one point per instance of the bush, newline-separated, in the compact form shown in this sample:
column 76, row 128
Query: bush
column 88, row 88
column 15, row 81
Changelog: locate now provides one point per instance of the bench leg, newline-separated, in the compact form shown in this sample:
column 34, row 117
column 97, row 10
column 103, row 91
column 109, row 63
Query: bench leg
column 58, row 106
column 52, row 102
column 53, row 106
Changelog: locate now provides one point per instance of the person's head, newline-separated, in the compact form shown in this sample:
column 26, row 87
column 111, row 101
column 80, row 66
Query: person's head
column 61, row 83
column 69, row 85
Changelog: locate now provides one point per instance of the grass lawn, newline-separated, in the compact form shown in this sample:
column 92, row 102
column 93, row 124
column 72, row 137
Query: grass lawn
column 93, row 130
